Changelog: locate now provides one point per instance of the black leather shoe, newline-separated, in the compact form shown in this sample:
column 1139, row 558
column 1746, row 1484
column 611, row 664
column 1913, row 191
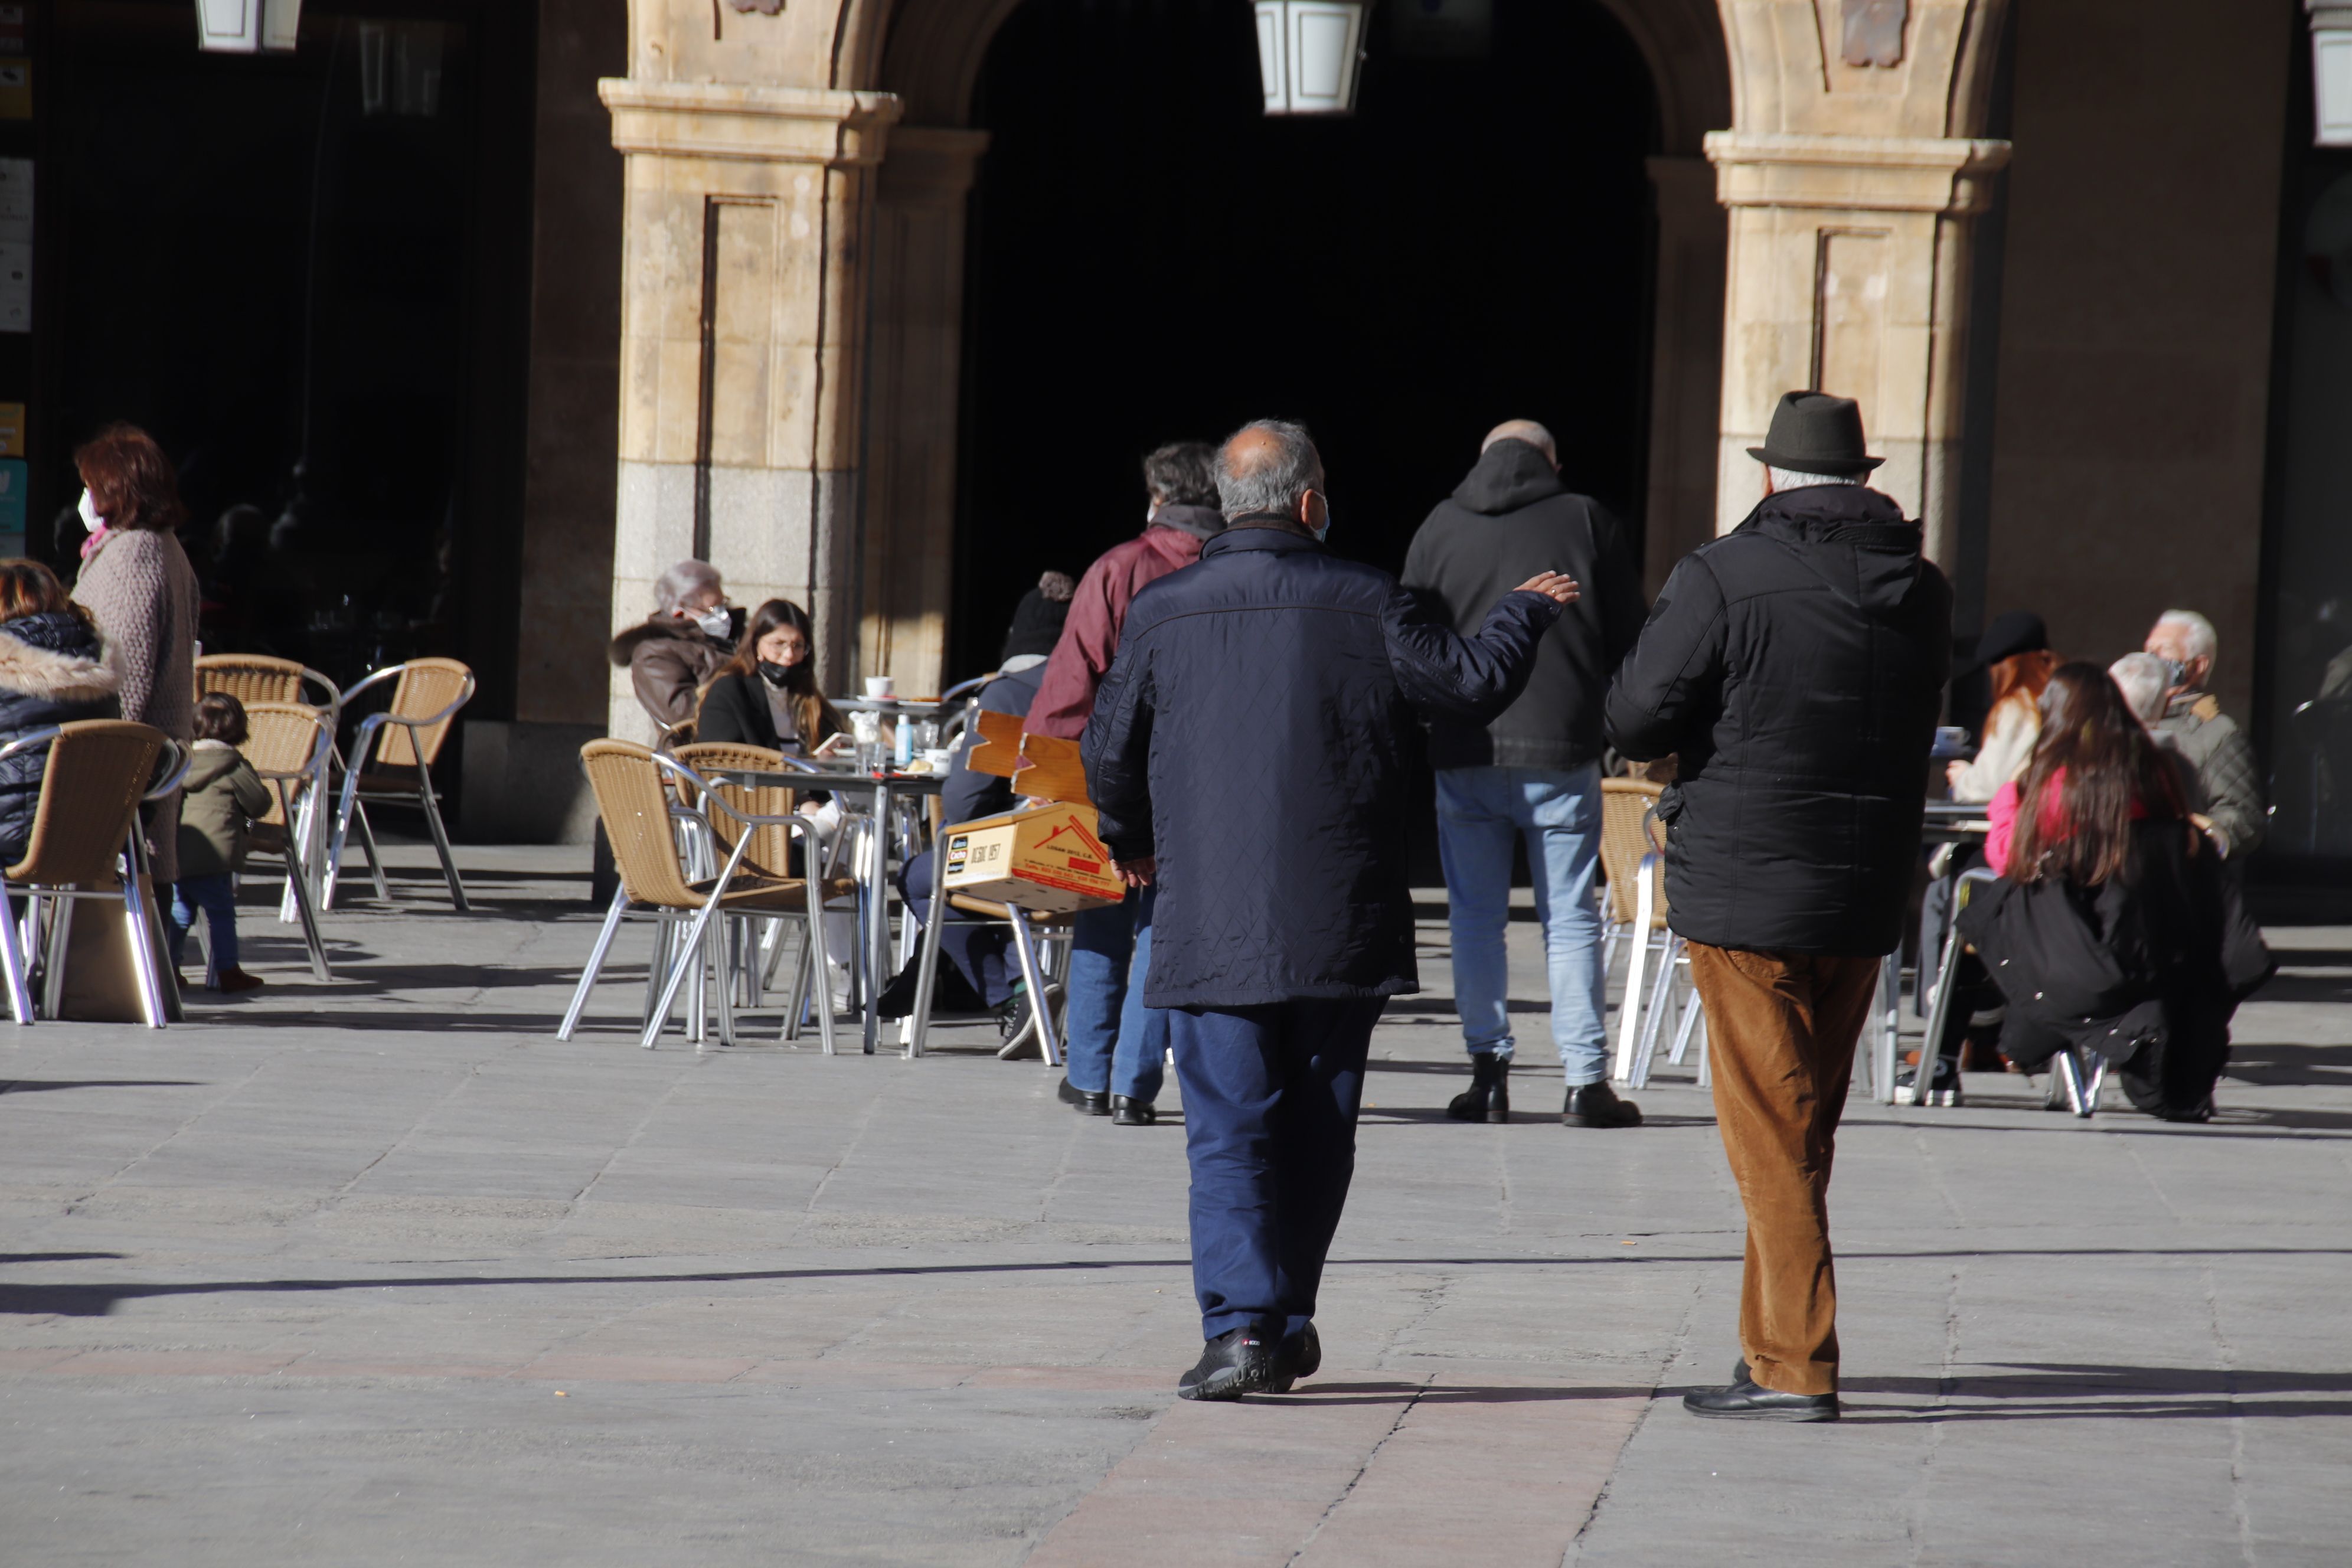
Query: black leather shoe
column 1597, row 1105
column 1090, row 1102
column 1234, row 1363
column 1297, row 1357
column 1757, row 1403
column 1126, row 1111
column 1488, row 1098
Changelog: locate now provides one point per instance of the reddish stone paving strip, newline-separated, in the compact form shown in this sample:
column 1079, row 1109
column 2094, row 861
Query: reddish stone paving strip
column 1493, row 1473
column 1235, row 1485
column 1365, row 1468
column 573, row 1366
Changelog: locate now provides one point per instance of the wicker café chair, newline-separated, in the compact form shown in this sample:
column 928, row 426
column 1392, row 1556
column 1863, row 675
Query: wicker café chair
column 252, row 678
column 770, row 855
column 1632, row 848
column 287, row 744
column 255, row 679
column 82, row 847
column 656, row 883
column 1043, row 768
column 392, row 763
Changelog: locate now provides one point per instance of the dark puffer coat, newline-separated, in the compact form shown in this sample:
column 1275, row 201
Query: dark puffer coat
column 1511, row 519
column 1796, row 665
column 53, row 670
column 1257, row 734
column 2145, row 969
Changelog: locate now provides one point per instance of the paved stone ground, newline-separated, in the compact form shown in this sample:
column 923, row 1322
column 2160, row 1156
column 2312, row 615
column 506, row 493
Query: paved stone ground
column 380, row 1272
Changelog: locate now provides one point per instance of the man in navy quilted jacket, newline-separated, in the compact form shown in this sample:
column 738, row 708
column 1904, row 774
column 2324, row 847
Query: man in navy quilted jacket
column 1249, row 753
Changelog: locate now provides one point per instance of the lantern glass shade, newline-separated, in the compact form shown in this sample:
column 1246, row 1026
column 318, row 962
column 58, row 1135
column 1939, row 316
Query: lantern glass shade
column 2331, row 81
column 1307, row 54
column 244, row 26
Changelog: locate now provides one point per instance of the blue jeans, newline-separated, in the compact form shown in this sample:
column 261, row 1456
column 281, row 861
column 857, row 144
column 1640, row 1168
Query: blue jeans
column 1480, row 813
column 216, row 895
column 1270, row 1100
column 1116, row 1043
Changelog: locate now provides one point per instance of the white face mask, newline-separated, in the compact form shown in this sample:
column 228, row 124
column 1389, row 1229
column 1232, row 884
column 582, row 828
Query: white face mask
column 714, row 621
column 89, row 510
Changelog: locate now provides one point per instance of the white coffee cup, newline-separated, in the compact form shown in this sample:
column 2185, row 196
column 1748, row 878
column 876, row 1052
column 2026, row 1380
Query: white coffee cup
column 881, row 688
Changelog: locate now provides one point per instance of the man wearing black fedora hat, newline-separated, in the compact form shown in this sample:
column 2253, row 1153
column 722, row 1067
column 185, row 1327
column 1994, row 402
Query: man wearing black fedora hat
column 1795, row 667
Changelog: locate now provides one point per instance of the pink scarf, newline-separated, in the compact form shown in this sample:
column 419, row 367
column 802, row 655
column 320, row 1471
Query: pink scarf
column 90, row 546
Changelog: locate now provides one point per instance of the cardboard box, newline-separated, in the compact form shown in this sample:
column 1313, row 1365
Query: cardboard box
column 1046, row 861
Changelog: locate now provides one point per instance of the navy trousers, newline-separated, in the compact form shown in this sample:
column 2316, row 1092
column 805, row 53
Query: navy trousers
column 1270, row 1100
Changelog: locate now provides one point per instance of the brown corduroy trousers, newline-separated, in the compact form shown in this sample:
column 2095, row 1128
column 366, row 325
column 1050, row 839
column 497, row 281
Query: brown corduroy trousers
column 1780, row 1033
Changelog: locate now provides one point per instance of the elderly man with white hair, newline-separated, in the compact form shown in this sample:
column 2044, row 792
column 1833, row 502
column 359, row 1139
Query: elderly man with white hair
column 2208, row 740
column 681, row 644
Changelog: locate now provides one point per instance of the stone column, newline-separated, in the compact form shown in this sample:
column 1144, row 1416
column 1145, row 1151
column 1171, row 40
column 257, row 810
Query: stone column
column 1685, row 360
column 916, row 368
column 1848, row 274
column 743, row 310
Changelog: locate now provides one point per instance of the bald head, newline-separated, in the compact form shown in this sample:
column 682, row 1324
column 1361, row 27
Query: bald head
column 1527, row 430
column 1268, row 467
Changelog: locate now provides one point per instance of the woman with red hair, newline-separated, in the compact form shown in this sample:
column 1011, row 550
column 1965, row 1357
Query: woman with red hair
column 137, row 584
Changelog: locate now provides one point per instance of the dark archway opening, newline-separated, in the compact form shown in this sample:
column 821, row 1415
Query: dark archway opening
column 1151, row 258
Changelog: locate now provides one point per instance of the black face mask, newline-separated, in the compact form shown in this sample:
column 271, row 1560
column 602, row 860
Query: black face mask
column 776, row 674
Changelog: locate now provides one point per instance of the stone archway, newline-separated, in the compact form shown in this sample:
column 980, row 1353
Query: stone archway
column 793, row 277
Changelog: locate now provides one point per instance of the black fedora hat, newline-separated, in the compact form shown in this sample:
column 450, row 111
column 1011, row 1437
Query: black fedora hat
column 1814, row 433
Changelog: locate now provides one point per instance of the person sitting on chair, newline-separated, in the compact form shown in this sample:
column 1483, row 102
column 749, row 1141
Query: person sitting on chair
column 767, row 694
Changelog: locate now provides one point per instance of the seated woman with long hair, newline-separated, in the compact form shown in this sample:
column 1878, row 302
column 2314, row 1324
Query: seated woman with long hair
column 767, row 694
column 2114, row 932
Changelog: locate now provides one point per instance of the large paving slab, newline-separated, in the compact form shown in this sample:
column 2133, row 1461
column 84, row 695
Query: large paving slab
column 379, row 1271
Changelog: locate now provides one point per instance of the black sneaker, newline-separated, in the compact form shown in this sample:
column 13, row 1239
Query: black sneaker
column 1298, row 1357
column 1234, row 1363
column 1943, row 1086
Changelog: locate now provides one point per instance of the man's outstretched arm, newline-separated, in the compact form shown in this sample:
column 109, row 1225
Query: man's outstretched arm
column 1478, row 676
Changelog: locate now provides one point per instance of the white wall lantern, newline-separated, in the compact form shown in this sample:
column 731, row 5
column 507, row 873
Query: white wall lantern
column 2331, row 71
column 1307, row 52
column 242, row 26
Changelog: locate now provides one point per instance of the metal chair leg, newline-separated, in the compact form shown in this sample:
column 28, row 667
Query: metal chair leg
column 145, row 962
column 596, row 956
column 299, row 884
column 819, row 963
column 917, row 1029
column 1032, row 975
column 53, row 975
column 13, row 967
column 689, row 961
column 1692, row 1013
column 441, row 841
column 1662, row 1002
column 1628, row 1009
column 723, row 980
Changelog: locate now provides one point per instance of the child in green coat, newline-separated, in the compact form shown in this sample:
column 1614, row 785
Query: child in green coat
column 223, row 795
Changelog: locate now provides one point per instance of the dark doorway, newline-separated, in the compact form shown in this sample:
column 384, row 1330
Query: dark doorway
column 1152, row 258
column 305, row 275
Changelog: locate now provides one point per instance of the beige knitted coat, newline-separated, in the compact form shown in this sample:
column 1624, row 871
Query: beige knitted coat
column 138, row 588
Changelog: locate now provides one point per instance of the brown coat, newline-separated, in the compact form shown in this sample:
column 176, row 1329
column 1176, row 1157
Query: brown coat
column 668, row 660
column 138, row 588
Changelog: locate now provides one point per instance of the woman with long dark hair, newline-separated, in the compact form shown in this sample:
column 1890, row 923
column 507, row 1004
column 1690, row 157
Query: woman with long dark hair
column 2114, row 932
column 767, row 695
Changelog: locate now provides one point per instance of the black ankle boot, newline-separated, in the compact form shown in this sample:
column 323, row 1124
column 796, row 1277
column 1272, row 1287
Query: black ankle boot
column 1488, row 1098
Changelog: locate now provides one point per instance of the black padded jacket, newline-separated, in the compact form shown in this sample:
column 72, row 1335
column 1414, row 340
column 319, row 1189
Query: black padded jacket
column 1257, row 732
column 1796, row 666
